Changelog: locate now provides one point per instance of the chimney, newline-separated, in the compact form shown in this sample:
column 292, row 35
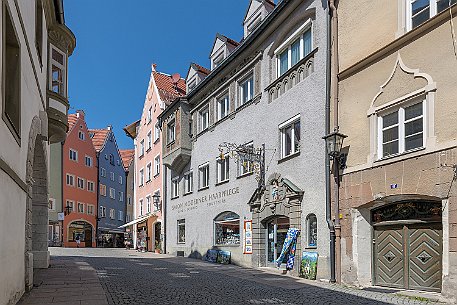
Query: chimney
column 80, row 114
column 154, row 67
column 109, row 127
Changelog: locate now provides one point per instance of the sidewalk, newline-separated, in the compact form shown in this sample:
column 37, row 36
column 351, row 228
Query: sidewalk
column 68, row 281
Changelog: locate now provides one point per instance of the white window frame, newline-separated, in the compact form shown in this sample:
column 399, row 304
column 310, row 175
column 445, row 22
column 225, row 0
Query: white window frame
column 102, row 211
column 72, row 178
column 71, row 203
column 80, row 204
column 90, row 209
column 112, row 176
column 141, row 177
column 433, row 11
column 223, row 165
column 400, row 110
column 90, row 186
column 223, row 104
column 150, row 115
column 52, row 204
column 86, row 158
column 188, row 182
column 141, row 148
column 171, row 131
column 120, row 180
column 282, row 128
column 148, row 203
column 149, row 136
column 112, row 193
column 73, row 153
column 83, row 135
column 102, row 189
column 83, row 183
column 112, row 213
column 62, row 67
column 201, row 186
column 175, row 187
column 141, row 206
column 120, row 216
column 181, row 222
column 121, row 196
column 156, row 132
column 156, row 165
column 102, row 172
column 203, row 118
column 149, row 172
column 250, row 85
column 287, row 46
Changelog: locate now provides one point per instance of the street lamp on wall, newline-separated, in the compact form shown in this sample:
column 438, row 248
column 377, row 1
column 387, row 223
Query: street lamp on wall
column 334, row 143
column 156, row 200
column 68, row 209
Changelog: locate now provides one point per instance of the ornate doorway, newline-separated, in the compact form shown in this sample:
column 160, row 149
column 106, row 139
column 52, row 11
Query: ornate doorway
column 408, row 245
column 276, row 234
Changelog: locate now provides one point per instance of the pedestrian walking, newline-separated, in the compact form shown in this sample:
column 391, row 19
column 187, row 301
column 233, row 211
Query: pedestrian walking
column 78, row 241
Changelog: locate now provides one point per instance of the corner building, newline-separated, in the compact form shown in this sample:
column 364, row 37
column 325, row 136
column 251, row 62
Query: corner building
column 397, row 105
column 267, row 89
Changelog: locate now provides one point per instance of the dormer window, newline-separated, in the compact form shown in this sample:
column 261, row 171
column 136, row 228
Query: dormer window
column 218, row 60
column 254, row 24
column 294, row 49
column 192, row 84
column 58, row 71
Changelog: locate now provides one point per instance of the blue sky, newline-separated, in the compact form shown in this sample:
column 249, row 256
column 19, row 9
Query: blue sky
column 118, row 40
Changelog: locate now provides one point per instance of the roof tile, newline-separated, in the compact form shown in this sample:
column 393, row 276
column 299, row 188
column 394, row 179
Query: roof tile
column 167, row 90
column 98, row 137
column 127, row 156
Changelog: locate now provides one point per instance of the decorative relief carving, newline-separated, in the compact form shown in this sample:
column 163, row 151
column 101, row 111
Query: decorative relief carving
column 62, row 38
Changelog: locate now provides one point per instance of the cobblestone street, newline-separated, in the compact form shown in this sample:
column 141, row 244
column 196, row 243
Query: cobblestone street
column 110, row 276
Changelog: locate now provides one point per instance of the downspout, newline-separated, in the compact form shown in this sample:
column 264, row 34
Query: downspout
column 334, row 101
column 61, row 192
column 328, row 199
column 97, row 217
column 164, row 205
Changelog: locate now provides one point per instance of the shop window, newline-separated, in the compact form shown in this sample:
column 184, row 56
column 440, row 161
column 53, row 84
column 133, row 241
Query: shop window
column 11, row 75
column 181, row 231
column 290, row 137
column 311, row 227
column 227, row 229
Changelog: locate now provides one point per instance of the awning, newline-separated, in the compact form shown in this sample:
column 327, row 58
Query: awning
column 142, row 218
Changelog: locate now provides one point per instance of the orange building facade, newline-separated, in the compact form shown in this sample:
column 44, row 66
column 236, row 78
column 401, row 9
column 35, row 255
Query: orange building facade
column 79, row 185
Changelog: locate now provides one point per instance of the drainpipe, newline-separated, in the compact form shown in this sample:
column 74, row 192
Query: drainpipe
column 334, row 100
column 164, row 205
column 328, row 199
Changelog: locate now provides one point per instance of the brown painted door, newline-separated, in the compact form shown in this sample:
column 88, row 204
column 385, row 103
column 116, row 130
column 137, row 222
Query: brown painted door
column 409, row 256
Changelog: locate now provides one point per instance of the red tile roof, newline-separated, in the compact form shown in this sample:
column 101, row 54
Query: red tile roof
column 167, row 90
column 233, row 42
column 72, row 119
column 201, row 69
column 98, row 138
column 127, row 157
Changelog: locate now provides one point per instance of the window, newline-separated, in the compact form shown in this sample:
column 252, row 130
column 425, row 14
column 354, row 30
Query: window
column 11, row 75
column 141, row 148
column 295, row 48
column 218, row 60
column 311, row 227
column 290, row 137
column 246, row 90
column 192, row 84
column 90, row 186
column 111, row 159
column 73, row 155
column 148, row 204
column 80, row 207
column 223, row 173
column 223, row 107
column 188, row 182
column 203, row 118
column 156, row 132
column 102, row 189
column 112, row 213
column 149, row 114
column 420, row 11
column 141, row 182
column 88, row 161
column 39, row 29
column 58, row 67
column 175, row 187
column 401, row 131
column 81, row 135
column 149, row 172
column 203, row 176
column 102, row 211
column 121, row 216
column 227, row 229
column 112, row 176
column 70, row 180
column 121, row 196
column 81, row 183
column 70, row 206
column 157, row 165
column 112, row 193
column 171, row 132
column 149, row 139
column 102, row 172
column 181, row 231
column 245, row 166
column 141, row 207
column 52, row 204
column 120, row 180
column 90, row 209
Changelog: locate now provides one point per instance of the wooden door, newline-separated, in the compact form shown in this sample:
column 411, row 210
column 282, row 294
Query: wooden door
column 390, row 258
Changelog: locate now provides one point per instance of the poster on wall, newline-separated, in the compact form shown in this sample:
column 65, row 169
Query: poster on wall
column 308, row 266
column 248, row 237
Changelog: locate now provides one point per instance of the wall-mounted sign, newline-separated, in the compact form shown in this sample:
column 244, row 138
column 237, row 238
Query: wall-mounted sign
column 60, row 216
column 248, row 237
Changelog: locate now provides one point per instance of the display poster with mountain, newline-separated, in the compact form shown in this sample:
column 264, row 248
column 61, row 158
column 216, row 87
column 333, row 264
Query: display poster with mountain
column 308, row 266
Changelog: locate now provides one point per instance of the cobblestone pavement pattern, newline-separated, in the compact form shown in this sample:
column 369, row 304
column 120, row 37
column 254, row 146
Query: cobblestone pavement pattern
column 130, row 277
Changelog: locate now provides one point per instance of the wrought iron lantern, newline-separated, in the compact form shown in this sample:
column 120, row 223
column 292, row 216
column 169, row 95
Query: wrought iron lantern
column 156, row 200
column 68, row 209
column 334, row 143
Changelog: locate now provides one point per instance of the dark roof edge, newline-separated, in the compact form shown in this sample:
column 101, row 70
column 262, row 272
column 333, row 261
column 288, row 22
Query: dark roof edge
column 242, row 46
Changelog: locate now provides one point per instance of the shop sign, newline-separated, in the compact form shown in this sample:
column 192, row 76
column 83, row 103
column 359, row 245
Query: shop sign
column 248, row 237
column 206, row 200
